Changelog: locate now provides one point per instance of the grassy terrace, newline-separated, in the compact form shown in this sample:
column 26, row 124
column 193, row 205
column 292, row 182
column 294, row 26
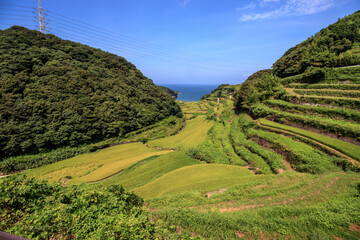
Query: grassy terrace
column 217, row 147
column 325, row 86
column 340, row 113
column 340, row 127
column 353, row 103
column 344, row 147
column 303, row 157
column 329, row 92
column 253, row 153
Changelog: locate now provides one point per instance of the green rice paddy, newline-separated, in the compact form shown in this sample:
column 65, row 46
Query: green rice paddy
column 203, row 177
column 151, row 170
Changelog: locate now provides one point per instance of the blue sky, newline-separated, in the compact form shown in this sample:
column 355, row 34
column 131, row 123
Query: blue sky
column 186, row 41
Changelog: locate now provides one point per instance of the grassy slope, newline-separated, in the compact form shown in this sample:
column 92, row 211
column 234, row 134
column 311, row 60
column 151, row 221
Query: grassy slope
column 204, row 177
column 95, row 166
column 151, row 170
column 192, row 135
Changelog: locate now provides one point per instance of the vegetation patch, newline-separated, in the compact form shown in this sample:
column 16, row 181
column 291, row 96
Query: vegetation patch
column 37, row 210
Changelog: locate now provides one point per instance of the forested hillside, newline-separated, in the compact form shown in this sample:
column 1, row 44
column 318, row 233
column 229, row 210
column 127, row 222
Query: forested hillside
column 322, row 58
column 334, row 46
column 58, row 93
column 318, row 106
column 171, row 92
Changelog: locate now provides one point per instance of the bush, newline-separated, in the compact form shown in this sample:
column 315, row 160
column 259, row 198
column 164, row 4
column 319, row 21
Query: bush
column 37, row 210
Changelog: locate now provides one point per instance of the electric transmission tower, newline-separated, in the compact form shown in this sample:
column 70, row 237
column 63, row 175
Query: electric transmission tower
column 41, row 18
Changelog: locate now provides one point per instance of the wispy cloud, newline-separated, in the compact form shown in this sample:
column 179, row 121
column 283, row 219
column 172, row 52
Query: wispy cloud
column 289, row 8
column 267, row 1
column 247, row 6
column 184, row 3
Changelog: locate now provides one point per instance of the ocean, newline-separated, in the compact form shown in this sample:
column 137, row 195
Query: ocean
column 191, row 93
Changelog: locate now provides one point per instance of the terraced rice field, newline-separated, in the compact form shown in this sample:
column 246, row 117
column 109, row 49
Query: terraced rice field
column 235, row 177
column 98, row 165
column 291, row 205
column 349, row 149
column 203, row 177
column 334, row 96
column 151, row 170
column 192, row 135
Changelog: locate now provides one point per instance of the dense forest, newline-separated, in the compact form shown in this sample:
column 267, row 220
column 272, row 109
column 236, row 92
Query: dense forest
column 61, row 93
column 334, row 46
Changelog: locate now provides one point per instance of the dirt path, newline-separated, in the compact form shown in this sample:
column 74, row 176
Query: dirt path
column 107, row 177
column 5, row 175
column 291, row 92
column 209, row 194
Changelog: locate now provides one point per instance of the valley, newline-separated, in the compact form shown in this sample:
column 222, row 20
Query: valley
column 93, row 149
column 227, row 167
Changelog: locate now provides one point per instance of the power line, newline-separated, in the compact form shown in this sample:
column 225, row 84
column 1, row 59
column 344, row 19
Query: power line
column 65, row 26
column 122, row 38
column 125, row 40
column 119, row 35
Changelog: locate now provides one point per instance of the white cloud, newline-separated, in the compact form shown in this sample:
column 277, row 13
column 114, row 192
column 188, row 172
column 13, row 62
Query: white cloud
column 184, row 3
column 291, row 8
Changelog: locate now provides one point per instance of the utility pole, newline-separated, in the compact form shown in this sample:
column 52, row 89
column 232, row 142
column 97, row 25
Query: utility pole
column 41, row 18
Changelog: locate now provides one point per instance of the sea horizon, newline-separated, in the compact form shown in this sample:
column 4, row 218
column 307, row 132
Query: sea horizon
column 191, row 92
